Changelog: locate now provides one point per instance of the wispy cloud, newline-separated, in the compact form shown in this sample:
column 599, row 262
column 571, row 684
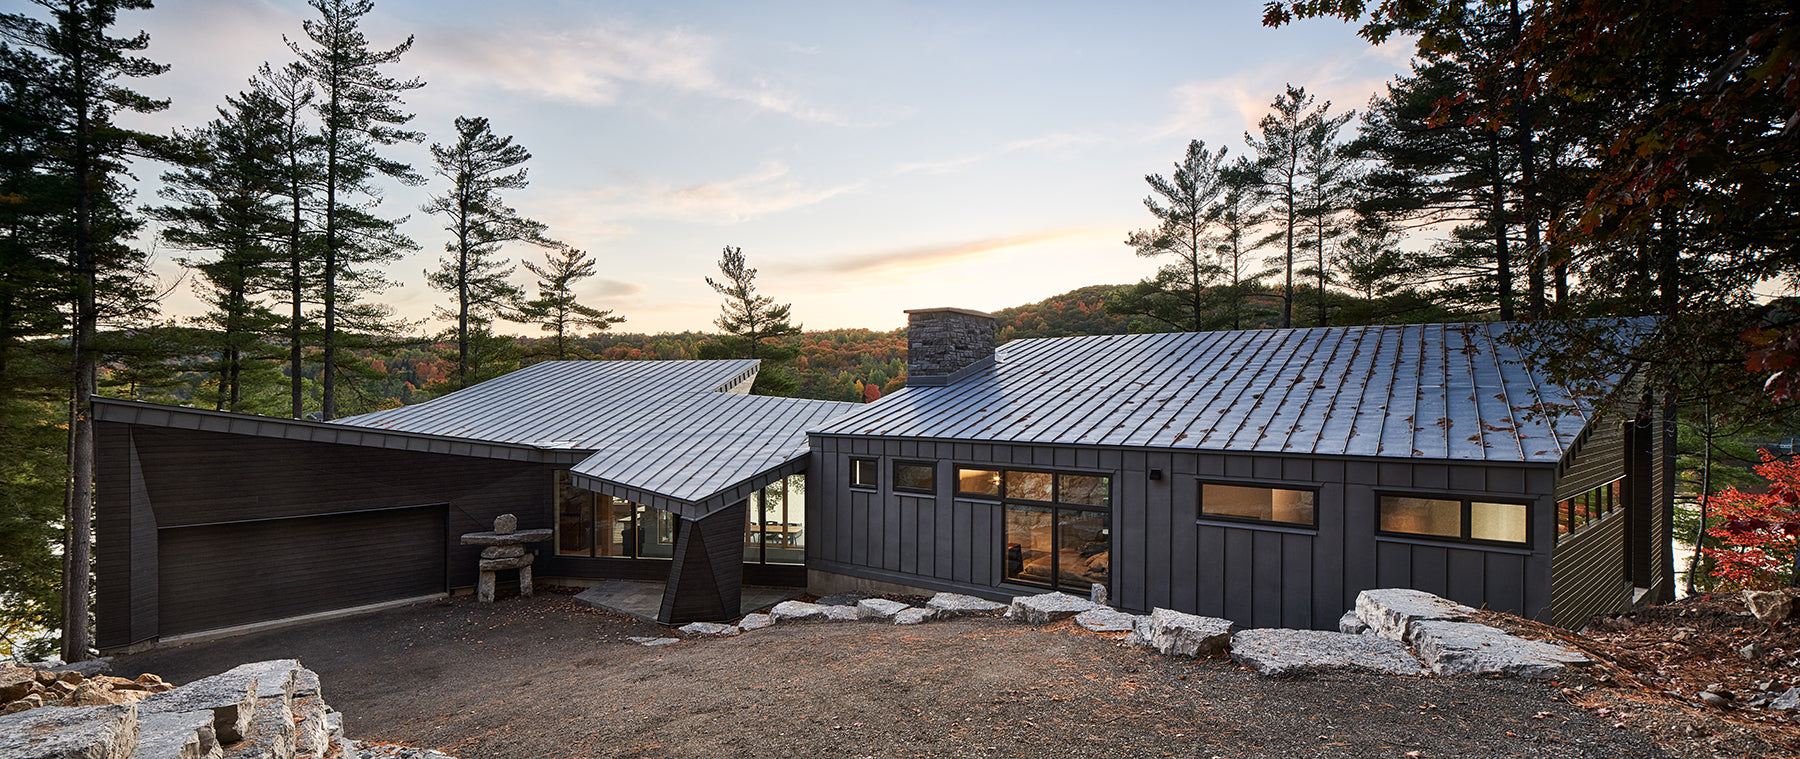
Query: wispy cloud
column 764, row 191
column 599, row 64
column 936, row 256
column 1237, row 102
column 613, row 288
column 1054, row 142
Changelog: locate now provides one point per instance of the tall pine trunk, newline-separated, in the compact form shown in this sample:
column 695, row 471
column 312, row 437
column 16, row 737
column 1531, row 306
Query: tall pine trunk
column 78, row 535
column 1497, row 221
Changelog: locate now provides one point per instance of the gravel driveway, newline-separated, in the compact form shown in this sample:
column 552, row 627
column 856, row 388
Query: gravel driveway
column 546, row 677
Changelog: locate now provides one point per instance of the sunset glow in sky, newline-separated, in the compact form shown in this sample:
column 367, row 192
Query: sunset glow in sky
column 867, row 157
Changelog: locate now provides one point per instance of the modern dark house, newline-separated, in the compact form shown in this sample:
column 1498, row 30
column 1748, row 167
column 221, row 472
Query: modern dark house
column 1263, row 476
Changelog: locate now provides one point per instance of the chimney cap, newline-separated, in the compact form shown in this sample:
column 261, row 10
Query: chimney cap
column 969, row 311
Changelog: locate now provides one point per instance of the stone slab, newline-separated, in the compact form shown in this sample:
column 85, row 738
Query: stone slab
column 1391, row 612
column 506, row 524
column 709, row 628
column 518, row 538
column 271, row 734
column 495, row 565
column 1175, row 633
column 1047, row 607
column 797, row 611
column 75, row 732
column 85, row 667
column 840, row 614
column 312, row 727
column 959, row 605
column 1788, row 701
column 914, row 616
column 502, row 552
column 177, row 735
column 848, row 598
column 1289, row 653
column 230, row 696
column 654, row 641
column 1352, row 624
column 879, row 609
column 1106, row 620
column 1466, row 648
column 1140, row 632
column 754, row 622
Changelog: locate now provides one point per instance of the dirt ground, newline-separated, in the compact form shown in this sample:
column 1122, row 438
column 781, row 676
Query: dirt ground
column 547, row 677
column 1654, row 662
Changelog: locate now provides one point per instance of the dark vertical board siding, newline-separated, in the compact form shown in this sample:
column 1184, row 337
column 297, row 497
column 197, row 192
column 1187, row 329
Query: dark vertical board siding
column 1393, row 565
column 859, row 526
column 890, row 530
column 1328, row 553
column 112, row 522
column 909, row 533
column 984, row 542
column 1159, row 534
column 1209, row 571
column 1131, row 540
column 1296, row 581
column 962, row 569
column 1364, row 558
column 1505, row 578
column 1265, row 581
column 1430, row 570
column 706, row 577
column 1238, row 575
column 359, row 559
column 944, row 519
column 1467, row 580
column 1184, row 591
column 821, row 478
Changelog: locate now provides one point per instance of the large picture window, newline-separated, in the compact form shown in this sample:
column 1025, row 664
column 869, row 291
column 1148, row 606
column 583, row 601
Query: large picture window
column 1057, row 529
column 775, row 529
column 596, row 525
column 1456, row 518
column 1259, row 504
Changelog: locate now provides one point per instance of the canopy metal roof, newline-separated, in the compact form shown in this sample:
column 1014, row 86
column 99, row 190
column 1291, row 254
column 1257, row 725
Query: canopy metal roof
column 1440, row 391
column 676, row 435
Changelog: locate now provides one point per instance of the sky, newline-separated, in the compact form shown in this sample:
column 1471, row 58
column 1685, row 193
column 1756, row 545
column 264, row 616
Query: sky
column 867, row 157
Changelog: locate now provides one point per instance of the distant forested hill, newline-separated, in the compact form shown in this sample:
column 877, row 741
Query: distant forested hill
column 1077, row 312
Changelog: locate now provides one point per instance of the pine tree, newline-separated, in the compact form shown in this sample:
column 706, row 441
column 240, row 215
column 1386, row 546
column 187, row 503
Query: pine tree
column 80, row 65
column 1280, row 159
column 1330, row 173
column 1185, row 206
column 753, row 321
column 556, row 309
column 228, row 207
column 1240, row 217
column 359, row 110
column 478, row 167
column 300, row 175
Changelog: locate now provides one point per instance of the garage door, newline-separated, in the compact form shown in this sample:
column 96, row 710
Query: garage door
column 224, row 575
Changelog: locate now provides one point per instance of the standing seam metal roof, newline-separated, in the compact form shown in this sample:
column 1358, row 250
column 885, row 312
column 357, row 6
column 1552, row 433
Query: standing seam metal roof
column 1440, row 391
column 662, row 427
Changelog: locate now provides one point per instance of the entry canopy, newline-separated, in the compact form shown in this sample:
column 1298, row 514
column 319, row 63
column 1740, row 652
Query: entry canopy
column 675, row 435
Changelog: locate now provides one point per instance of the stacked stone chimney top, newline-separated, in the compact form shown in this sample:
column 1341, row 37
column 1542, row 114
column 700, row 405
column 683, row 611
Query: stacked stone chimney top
column 944, row 345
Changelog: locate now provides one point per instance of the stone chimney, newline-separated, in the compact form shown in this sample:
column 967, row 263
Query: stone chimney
column 944, row 345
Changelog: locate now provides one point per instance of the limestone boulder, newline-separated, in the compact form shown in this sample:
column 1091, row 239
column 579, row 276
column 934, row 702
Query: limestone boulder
column 959, row 605
column 754, row 622
column 506, row 524
column 1770, row 607
column 1106, row 619
column 502, row 552
column 1466, row 648
column 913, row 615
column 86, row 732
column 177, row 735
column 797, row 611
column 1175, row 633
column 516, row 562
column 1391, row 612
column 709, row 629
column 879, row 609
column 840, row 613
column 654, row 642
column 271, row 734
column 1290, row 653
column 1047, row 607
column 1352, row 624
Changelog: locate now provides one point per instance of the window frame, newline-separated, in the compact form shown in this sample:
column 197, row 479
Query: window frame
column 1467, row 522
column 874, row 465
column 894, row 477
column 1200, row 514
column 1611, row 496
column 1055, row 507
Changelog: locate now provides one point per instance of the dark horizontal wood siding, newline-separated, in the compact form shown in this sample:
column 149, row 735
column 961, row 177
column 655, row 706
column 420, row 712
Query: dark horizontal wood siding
column 154, row 479
column 232, row 574
column 1164, row 553
column 1589, row 569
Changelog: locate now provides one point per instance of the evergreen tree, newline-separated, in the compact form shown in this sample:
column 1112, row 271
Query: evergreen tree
column 359, row 110
column 79, row 63
column 556, row 309
column 228, row 207
column 478, row 167
column 1329, row 172
column 300, row 176
column 1240, row 217
column 1186, row 213
column 1280, row 159
column 752, row 322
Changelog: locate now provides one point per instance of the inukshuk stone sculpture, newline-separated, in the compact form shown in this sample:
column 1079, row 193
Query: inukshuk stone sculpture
column 504, row 548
